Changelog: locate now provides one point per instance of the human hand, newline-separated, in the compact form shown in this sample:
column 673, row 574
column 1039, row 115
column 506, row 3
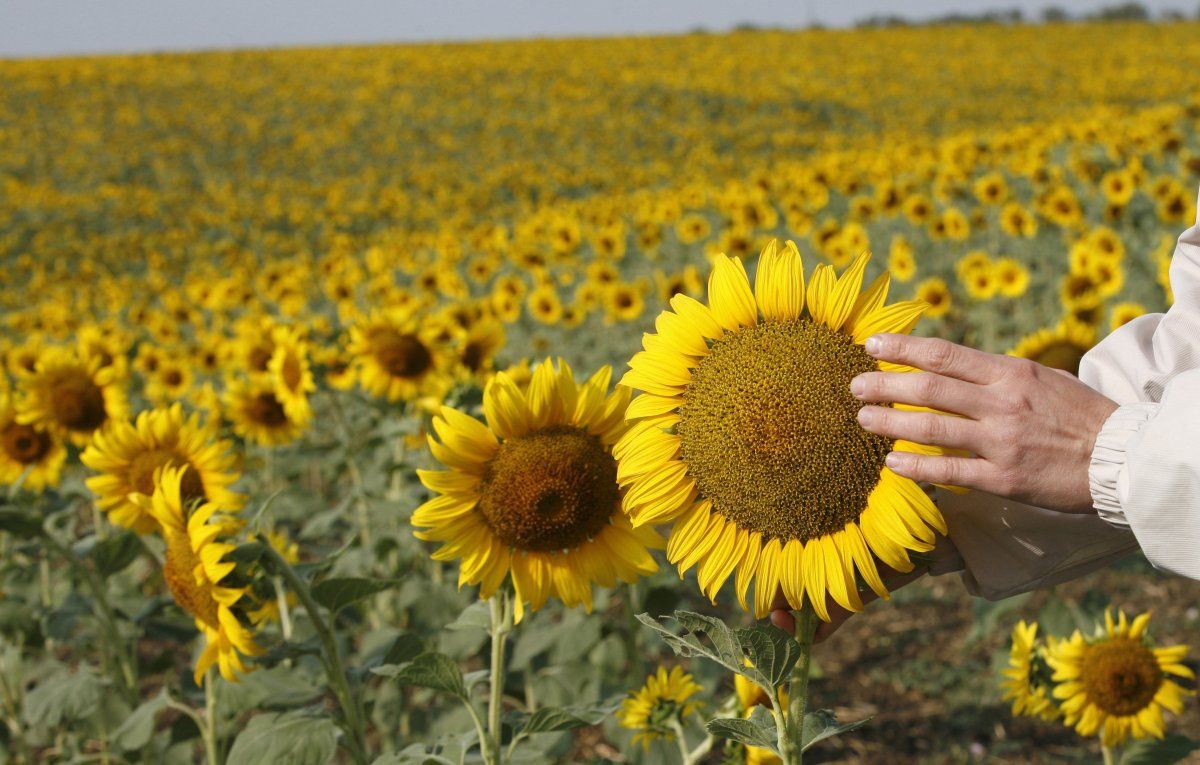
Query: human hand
column 1029, row 429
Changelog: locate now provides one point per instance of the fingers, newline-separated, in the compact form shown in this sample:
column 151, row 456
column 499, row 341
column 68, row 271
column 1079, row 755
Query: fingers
column 921, row 427
column 968, row 472
column 934, row 355
column 919, row 389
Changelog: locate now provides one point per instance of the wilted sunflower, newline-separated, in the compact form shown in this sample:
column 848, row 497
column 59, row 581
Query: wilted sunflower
column 1062, row 347
column 749, row 440
column 1117, row 685
column 194, row 569
column 396, row 359
column 1027, row 678
column 257, row 413
column 534, row 491
column 291, row 373
column 653, row 709
column 70, row 396
column 128, row 455
column 25, row 447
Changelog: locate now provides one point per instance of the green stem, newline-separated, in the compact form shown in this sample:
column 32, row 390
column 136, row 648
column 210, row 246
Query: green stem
column 806, row 627
column 632, row 634
column 209, row 730
column 1107, row 754
column 335, row 669
column 501, row 611
column 104, row 612
column 680, row 739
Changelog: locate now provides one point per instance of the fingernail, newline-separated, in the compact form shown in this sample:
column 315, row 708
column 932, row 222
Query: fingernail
column 897, row 461
column 858, row 386
column 873, row 345
column 866, row 416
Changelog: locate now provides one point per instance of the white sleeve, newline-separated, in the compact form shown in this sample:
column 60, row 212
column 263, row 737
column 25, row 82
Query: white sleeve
column 1145, row 469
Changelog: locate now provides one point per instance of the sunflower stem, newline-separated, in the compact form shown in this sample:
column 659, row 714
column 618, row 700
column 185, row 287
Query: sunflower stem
column 632, row 634
column 209, row 731
column 1106, row 753
column 680, row 740
column 501, row 610
column 335, row 669
column 806, row 627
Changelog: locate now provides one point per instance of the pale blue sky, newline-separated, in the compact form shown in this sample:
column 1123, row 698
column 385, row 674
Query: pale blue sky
column 53, row 27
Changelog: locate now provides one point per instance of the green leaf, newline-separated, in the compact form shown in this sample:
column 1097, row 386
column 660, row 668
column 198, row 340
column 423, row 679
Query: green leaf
column 138, row 728
column 335, row 593
column 428, row 670
column 112, row 554
column 405, row 648
column 772, row 651
column 291, row 738
column 759, row 730
column 1166, row 751
column 822, row 724
column 552, row 719
column 67, row 697
column 478, row 615
column 19, row 524
column 724, row 650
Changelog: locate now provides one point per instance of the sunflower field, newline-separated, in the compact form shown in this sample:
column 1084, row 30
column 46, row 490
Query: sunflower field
column 473, row 403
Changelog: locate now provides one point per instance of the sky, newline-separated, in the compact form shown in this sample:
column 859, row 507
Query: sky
column 60, row 27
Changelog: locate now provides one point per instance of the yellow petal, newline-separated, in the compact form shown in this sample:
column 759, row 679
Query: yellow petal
column 729, row 295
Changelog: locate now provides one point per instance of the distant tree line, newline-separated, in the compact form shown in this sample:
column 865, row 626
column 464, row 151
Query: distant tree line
column 1052, row 14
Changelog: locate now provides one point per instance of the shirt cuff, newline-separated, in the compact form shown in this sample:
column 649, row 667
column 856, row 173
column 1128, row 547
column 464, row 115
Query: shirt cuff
column 1106, row 474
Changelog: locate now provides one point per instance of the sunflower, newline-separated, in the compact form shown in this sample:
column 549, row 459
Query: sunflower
column 1117, row 684
column 748, row 438
column 291, row 373
column 654, row 708
column 1012, row 278
column 128, row 455
column 901, row 262
column 1027, row 677
column 396, row 359
column 483, row 340
column 534, row 491
column 194, row 569
column 1123, row 313
column 936, row 294
column 1062, row 347
column 25, row 447
column 257, row 413
column 70, row 396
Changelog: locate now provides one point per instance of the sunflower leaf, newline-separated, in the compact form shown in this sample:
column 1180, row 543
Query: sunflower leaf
column 822, row 724
column 724, row 648
column 20, row 524
column 759, row 730
column 553, row 719
column 1166, row 751
column 292, row 737
column 112, row 554
column 428, row 670
column 335, row 593
column 772, row 651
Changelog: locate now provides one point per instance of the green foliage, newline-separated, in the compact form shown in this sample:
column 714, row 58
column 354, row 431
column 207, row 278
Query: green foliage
column 293, row 738
column 1170, row 749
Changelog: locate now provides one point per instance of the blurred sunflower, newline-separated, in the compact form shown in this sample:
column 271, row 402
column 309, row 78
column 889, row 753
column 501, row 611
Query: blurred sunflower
column 748, row 437
column 655, row 708
column 936, row 293
column 1027, row 678
column 1117, row 684
column 70, row 396
column 1123, row 313
column 291, row 373
column 128, row 455
column 25, row 447
column 534, row 491
column 396, row 359
column 1012, row 278
column 1061, row 347
column 194, row 570
column 257, row 413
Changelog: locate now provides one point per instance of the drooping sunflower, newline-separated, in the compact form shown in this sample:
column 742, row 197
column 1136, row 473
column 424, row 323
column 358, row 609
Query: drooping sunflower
column 127, row 455
column 1060, row 347
column 534, row 491
column 664, row 699
column 1027, row 678
column 748, row 439
column 194, row 569
column 257, row 413
column 291, row 373
column 1118, row 684
column 396, row 359
column 25, row 447
column 71, row 396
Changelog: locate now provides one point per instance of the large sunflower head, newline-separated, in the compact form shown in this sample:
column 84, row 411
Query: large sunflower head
column 397, row 358
column 1118, row 684
column 653, row 709
column 534, row 491
column 71, row 396
column 747, row 436
column 128, row 455
column 1027, row 681
column 27, row 450
column 195, row 571
column 257, row 413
